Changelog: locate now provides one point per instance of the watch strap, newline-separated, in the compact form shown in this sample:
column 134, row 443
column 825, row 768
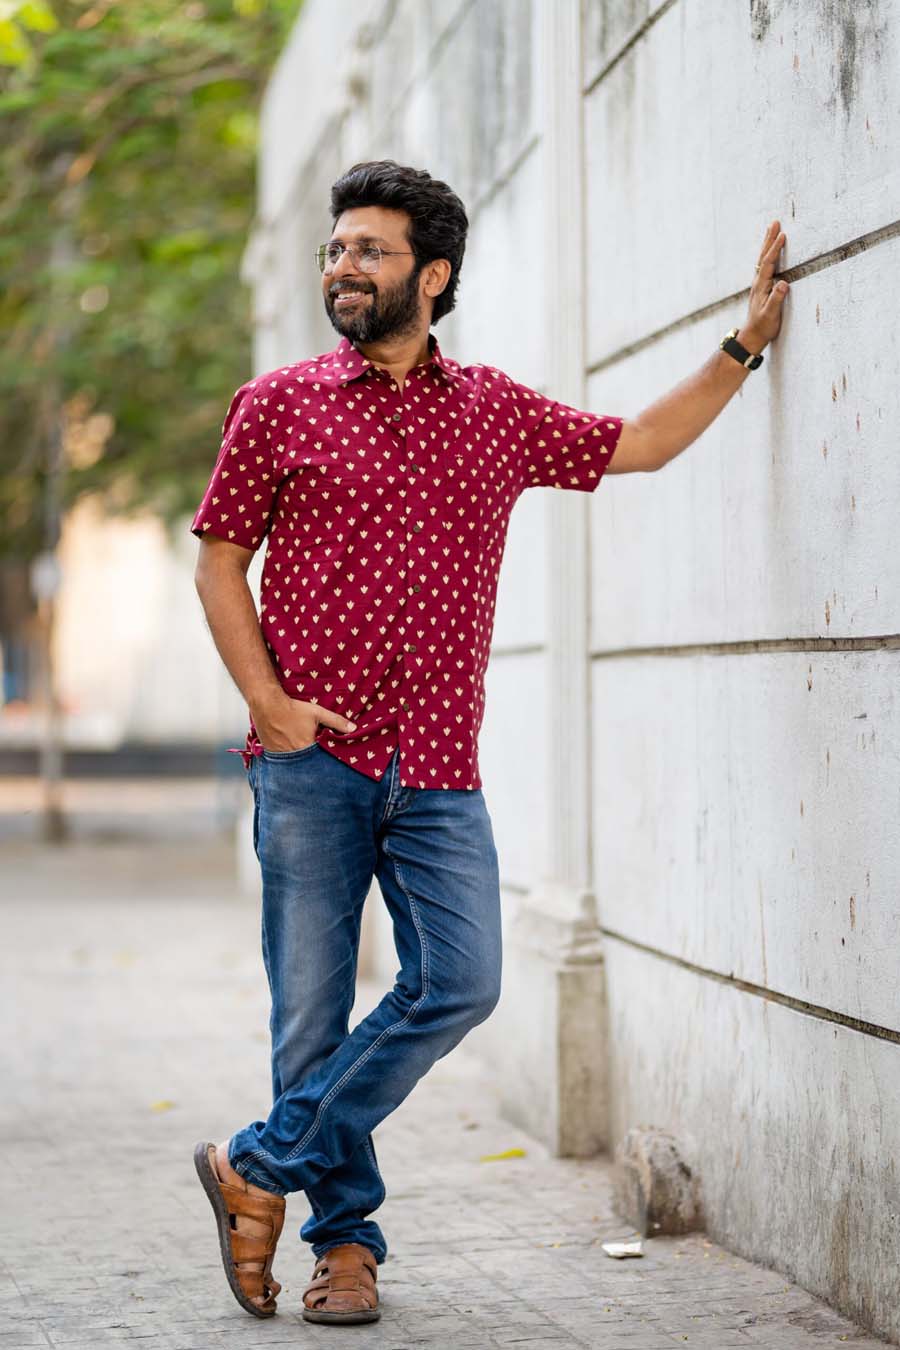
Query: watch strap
column 737, row 349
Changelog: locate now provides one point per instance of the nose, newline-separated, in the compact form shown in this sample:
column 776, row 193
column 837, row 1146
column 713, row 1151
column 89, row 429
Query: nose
column 344, row 265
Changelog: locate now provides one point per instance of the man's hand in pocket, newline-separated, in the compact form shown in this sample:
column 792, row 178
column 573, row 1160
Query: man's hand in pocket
column 285, row 723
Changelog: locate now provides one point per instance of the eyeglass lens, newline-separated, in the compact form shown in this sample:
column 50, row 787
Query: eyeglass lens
column 366, row 258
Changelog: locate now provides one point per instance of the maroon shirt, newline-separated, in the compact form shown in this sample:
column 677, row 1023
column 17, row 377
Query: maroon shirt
column 386, row 513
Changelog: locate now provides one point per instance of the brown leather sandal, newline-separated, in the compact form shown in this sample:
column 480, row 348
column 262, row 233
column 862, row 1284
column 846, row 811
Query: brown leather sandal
column 342, row 1288
column 240, row 1251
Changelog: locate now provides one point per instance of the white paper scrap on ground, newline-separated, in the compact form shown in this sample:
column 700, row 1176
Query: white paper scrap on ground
column 623, row 1249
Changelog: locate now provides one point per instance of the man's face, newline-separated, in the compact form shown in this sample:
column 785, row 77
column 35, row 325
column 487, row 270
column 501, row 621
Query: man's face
column 371, row 306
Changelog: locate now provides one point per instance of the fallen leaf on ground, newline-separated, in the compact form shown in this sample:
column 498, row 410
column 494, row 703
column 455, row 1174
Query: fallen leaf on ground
column 499, row 1157
column 164, row 1105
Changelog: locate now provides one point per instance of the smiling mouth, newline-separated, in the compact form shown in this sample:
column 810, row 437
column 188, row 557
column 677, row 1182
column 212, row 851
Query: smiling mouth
column 348, row 297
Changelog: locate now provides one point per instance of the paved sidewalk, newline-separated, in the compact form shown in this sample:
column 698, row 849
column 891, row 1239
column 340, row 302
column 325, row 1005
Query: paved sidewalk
column 135, row 1018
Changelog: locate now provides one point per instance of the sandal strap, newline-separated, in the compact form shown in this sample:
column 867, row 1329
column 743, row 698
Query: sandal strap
column 349, row 1257
column 250, row 1247
column 318, row 1292
column 255, row 1248
column 350, row 1269
column 255, row 1285
column 244, row 1250
column 242, row 1205
column 263, row 1207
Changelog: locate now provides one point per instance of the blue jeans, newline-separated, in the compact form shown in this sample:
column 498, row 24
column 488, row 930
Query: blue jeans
column 322, row 831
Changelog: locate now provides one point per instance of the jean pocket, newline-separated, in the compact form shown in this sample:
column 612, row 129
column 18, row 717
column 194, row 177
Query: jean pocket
column 290, row 754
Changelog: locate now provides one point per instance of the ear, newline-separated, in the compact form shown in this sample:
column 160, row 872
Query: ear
column 436, row 276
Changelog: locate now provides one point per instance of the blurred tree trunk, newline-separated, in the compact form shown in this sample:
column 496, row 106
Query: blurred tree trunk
column 46, row 570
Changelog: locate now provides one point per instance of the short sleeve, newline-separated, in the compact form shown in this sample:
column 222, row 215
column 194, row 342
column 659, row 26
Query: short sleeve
column 237, row 504
column 564, row 447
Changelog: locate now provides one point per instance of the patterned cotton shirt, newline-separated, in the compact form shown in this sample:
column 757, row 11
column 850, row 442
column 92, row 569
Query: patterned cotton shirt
column 386, row 513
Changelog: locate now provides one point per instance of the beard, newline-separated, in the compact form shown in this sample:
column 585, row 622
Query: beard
column 391, row 313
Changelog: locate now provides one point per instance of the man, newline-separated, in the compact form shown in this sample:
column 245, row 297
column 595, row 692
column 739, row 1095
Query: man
column 383, row 474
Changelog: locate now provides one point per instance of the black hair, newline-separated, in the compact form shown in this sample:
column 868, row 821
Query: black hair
column 437, row 218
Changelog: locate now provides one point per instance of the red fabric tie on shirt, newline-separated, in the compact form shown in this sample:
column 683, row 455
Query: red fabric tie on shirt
column 386, row 514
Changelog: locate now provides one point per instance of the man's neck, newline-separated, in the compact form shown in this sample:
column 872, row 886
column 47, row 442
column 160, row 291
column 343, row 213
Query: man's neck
column 397, row 357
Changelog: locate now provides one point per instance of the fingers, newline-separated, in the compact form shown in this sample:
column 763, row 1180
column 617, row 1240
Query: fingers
column 777, row 293
column 772, row 245
column 767, row 239
column 772, row 300
column 334, row 720
column 768, row 294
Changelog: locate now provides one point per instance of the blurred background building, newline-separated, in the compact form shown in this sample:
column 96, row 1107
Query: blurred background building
column 691, row 747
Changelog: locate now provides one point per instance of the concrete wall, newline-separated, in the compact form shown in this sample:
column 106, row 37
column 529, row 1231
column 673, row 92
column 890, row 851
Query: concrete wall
column 743, row 640
column 741, row 717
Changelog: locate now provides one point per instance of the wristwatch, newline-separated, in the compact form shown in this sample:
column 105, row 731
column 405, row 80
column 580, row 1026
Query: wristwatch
column 736, row 349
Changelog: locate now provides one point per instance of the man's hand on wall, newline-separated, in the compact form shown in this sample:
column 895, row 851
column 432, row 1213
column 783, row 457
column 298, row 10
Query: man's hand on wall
column 674, row 422
column 763, row 321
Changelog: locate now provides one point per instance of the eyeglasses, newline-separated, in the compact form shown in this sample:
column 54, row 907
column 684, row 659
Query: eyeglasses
column 367, row 257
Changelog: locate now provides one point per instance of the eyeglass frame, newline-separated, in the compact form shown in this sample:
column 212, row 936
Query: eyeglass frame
column 354, row 251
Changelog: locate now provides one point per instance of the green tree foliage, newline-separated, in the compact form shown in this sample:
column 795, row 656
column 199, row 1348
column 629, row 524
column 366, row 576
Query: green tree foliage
column 128, row 133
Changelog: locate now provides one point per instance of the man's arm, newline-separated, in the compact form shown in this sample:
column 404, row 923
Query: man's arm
column 283, row 723
column 674, row 421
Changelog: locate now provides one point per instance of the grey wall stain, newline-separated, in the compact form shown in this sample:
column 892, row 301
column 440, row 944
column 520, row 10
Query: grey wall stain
column 856, row 32
column 760, row 19
column 859, row 35
column 847, row 53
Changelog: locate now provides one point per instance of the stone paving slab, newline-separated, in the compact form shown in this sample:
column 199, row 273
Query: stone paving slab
column 134, row 1001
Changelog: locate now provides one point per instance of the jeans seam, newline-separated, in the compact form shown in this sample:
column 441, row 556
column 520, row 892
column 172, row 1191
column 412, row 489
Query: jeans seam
column 255, row 791
column 388, row 1031
column 367, row 1144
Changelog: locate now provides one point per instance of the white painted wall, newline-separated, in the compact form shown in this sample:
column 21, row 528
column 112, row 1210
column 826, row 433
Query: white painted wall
column 744, row 603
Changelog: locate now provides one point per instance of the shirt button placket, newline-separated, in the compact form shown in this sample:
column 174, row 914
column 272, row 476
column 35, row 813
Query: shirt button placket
column 396, row 419
column 413, row 527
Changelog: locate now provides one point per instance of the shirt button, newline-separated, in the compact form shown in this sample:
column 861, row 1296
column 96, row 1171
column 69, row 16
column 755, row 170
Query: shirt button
column 410, row 647
column 404, row 705
column 417, row 587
column 396, row 417
column 417, row 526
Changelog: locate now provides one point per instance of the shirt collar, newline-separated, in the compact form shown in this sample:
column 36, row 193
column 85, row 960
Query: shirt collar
column 348, row 362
